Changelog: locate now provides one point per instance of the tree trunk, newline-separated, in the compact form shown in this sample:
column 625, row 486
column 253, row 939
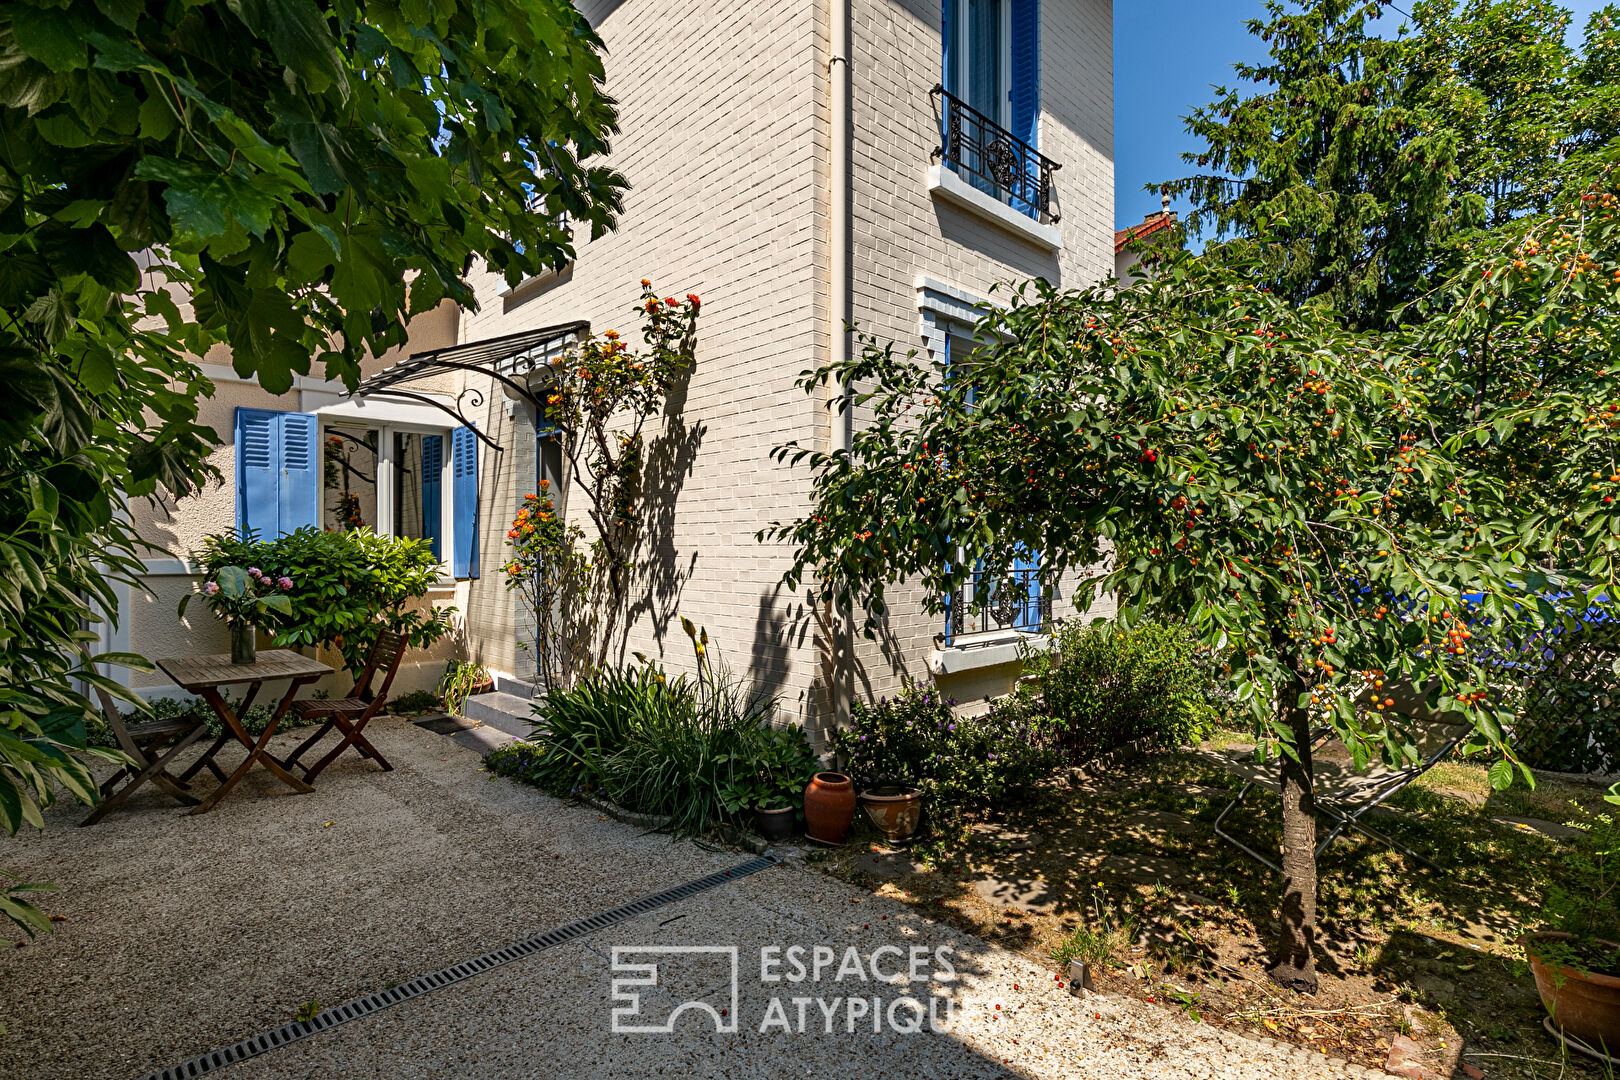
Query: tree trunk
column 1295, row 966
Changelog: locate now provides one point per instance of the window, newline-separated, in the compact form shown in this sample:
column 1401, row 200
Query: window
column 302, row 469
column 349, row 478
column 418, row 481
column 992, row 64
column 1018, row 601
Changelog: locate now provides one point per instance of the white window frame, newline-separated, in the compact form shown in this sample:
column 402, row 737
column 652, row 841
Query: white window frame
column 385, row 477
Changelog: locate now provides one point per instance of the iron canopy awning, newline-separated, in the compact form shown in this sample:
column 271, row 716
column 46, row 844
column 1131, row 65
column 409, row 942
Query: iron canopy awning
column 507, row 359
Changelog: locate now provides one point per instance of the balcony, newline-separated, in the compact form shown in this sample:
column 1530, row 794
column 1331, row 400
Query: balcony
column 983, row 167
column 1015, row 601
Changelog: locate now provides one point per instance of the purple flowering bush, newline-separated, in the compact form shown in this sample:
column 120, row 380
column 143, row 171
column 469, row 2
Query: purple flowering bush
column 957, row 763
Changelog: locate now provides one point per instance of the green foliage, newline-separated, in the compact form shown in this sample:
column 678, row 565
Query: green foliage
column 347, row 586
column 308, row 176
column 16, row 906
column 243, row 595
column 956, row 763
column 550, row 571
column 460, row 677
column 1101, row 686
column 647, row 742
column 1585, row 899
column 772, row 772
column 1325, row 508
column 1357, row 166
column 600, row 399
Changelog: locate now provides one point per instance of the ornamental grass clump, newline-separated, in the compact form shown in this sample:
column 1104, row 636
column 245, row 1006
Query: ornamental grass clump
column 651, row 742
column 956, row 763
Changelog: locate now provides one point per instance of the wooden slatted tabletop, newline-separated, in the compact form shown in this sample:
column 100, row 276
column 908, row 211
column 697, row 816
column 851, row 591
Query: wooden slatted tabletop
column 197, row 672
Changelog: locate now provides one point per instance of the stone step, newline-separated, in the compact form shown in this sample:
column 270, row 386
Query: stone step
column 504, row 712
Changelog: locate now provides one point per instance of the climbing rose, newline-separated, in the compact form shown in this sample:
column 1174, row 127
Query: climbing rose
column 284, row 582
column 694, row 299
column 211, row 588
column 256, row 572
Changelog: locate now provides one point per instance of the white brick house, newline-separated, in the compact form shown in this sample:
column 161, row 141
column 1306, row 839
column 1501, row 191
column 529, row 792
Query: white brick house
column 784, row 164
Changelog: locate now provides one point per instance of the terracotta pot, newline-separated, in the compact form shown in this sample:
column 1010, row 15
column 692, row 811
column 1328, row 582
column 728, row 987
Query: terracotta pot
column 1584, row 1004
column 894, row 810
column 829, row 807
column 485, row 687
column 775, row 823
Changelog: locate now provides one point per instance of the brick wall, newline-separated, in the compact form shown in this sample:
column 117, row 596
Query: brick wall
column 901, row 233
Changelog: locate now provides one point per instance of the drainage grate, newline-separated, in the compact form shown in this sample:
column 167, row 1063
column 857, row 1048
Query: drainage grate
column 327, row 1019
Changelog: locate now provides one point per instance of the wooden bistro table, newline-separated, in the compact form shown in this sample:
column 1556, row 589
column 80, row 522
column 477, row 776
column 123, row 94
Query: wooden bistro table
column 206, row 675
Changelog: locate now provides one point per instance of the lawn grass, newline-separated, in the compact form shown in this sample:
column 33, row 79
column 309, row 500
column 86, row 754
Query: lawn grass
column 1402, row 951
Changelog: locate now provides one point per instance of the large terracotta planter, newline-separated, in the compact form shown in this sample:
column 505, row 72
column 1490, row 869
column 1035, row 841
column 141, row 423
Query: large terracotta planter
column 1584, row 1004
column 894, row 810
column 829, row 807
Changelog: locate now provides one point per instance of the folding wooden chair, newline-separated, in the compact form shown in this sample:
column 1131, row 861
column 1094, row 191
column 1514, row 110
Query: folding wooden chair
column 151, row 745
column 1344, row 795
column 350, row 714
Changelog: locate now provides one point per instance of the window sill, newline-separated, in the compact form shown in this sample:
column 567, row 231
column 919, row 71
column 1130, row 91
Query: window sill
column 531, row 286
column 984, row 651
column 943, row 183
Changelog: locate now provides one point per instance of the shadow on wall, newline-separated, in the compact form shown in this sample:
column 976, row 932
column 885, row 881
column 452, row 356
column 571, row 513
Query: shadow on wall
column 660, row 575
column 778, row 630
column 659, row 578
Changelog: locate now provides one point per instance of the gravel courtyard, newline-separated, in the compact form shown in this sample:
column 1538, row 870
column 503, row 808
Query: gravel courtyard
column 178, row 935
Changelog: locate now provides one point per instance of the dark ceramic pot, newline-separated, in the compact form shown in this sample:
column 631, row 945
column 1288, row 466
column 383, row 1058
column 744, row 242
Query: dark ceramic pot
column 829, row 807
column 775, row 823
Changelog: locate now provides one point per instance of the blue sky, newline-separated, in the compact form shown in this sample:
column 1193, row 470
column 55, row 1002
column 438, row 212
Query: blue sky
column 1167, row 55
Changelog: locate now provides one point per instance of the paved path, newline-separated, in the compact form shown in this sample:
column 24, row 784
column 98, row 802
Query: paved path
column 274, row 900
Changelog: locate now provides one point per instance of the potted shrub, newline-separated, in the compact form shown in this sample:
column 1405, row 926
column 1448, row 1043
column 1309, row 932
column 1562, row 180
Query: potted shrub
column 913, row 756
column 463, row 679
column 770, row 783
column 1576, row 960
column 240, row 596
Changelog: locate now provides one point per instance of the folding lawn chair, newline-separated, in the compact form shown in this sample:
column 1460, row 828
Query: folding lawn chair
column 352, row 713
column 1345, row 795
column 151, row 745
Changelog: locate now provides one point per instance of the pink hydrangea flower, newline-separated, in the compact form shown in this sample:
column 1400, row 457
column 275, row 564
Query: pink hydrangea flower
column 285, row 583
column 211, row 588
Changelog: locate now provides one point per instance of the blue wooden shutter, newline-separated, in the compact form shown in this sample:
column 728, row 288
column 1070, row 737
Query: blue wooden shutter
column 432, row 467
column 1029, row 615
column 277, row 472
column 1024, row 94
column 464, row 476
column 300, row 492
column 258, row 457
column 947, row 30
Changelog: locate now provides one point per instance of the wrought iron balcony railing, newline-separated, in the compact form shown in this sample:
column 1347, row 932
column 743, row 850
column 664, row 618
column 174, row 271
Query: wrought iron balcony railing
column 995, row 161
column 1016, row 600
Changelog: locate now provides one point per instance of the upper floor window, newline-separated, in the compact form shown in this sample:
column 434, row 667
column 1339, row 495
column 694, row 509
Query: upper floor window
column 992, row 101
